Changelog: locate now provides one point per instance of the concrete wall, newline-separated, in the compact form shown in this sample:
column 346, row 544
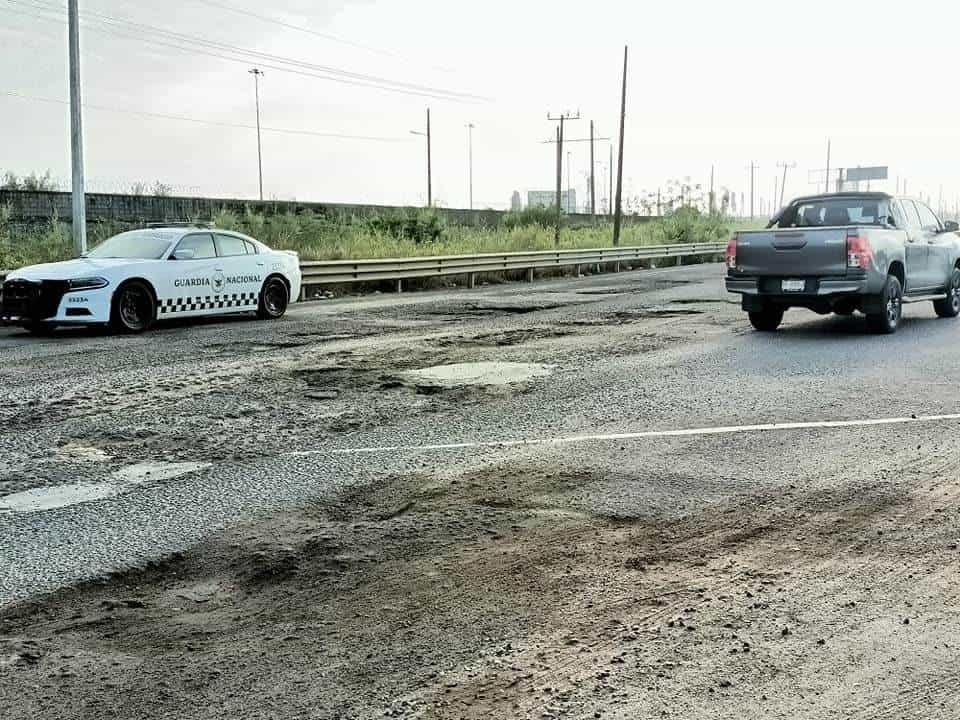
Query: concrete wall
column 33, row 207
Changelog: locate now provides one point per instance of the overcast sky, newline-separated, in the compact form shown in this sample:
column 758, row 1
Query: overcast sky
column 710, row 84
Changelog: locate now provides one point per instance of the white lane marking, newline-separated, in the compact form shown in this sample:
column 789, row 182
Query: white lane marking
column 647, row 434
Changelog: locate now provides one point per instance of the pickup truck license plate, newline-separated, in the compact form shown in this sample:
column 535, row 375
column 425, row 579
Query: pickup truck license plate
column 793, row 285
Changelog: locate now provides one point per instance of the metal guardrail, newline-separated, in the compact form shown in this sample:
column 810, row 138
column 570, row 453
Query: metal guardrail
column 346, row 271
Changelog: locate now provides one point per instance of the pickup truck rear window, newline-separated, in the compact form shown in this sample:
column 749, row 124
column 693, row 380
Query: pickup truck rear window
column 833, row 212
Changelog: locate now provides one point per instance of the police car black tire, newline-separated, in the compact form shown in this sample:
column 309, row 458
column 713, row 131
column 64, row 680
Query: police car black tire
column 274, row 298
column 137, row 316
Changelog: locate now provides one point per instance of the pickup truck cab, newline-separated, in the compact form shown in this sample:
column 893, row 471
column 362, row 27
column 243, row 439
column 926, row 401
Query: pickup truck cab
column 846, row 252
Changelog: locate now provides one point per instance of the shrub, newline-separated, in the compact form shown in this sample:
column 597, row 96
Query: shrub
column 531, row 216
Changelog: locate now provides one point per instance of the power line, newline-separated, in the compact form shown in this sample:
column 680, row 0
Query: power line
column 310, row 31
column 150, row 31
column 146, row 34
column 215, row 123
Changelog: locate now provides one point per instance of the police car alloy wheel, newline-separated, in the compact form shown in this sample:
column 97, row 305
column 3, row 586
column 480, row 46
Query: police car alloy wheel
column 274, row 299
column 134, row 309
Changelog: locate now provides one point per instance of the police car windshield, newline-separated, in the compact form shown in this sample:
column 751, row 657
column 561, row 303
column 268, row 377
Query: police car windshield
column 137, row 244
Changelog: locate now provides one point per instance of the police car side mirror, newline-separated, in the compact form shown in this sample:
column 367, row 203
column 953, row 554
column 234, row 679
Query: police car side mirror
column 184, row 254
column 951, row 226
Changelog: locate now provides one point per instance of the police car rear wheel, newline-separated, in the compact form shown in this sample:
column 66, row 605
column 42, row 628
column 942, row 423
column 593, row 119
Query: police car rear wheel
column 134, row 308
column 274, row 298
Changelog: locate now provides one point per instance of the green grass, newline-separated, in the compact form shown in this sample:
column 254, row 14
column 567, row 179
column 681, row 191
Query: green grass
column 410, row 233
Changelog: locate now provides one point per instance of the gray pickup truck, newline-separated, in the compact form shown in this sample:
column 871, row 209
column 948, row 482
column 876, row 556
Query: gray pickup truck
column 846, row 252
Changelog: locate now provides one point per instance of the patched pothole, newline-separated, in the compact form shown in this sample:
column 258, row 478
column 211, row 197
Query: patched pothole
column 478, row 373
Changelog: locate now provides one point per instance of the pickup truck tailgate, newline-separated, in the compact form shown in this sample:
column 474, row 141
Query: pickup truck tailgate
column 793, row 253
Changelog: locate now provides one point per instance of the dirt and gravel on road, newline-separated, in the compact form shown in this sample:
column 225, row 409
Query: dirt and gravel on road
column 795, row 574
column 507, row 593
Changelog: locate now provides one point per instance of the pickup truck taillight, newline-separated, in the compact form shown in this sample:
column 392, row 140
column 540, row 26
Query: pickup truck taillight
column 732, row 253
column 859, row 252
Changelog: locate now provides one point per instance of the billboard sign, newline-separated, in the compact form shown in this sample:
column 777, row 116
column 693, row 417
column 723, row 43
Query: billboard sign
column 865, row 174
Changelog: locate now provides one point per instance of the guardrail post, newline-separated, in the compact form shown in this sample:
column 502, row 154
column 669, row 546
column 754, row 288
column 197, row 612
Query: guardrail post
column 399, row 285
column 529, row 274
column 471, row 280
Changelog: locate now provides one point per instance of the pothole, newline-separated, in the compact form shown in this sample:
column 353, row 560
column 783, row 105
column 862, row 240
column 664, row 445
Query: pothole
column 82, row 453
column 479, row 373
column 505, row 338
column 627, row 317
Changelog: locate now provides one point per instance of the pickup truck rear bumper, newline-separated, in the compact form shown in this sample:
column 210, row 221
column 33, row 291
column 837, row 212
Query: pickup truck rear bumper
column 815, row 287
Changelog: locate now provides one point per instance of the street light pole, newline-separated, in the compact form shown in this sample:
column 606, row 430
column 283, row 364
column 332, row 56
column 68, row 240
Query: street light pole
column 76, row 133
column 256, row 89
column 470, row 127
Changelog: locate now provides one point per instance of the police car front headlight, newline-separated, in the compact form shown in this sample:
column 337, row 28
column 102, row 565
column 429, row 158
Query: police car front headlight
column 90, row 283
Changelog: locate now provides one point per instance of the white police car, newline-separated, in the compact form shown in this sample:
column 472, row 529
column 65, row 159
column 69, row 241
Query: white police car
column 136, row 278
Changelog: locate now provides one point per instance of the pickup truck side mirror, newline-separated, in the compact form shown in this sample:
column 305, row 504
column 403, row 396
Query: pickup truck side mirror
column 951, row 226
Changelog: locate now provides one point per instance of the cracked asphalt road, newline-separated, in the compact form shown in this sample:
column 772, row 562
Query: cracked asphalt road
column 805, row 573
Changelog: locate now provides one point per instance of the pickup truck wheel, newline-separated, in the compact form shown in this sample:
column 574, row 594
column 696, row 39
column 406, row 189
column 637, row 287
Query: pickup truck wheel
column 887, row 321
column 766, row 320
column 950, row 306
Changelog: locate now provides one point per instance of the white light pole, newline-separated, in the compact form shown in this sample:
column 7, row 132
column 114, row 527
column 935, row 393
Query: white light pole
column 76, row 134
column 470, row 127
column 257, row 73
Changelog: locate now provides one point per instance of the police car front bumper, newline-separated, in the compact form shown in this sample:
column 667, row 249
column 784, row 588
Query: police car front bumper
column 24, row 302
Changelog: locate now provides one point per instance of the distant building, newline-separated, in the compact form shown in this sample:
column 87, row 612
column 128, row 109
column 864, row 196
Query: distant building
column 548, row 199
column 516, row 204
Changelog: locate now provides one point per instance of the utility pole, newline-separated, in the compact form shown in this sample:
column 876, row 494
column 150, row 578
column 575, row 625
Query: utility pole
column 610, row 188
column 828, row 167
column 593, row 188
column 257, row 73
column 429, row 160
column 712, row 203
column 76, row 134
column 752, row 168
column 618, row 212
column 569, row 186
column 776, row 192
column 470, row 127
column 562, row 118
column 783, row 185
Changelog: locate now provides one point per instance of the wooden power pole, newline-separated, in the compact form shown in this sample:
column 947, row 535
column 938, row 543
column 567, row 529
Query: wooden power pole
column 618, row 212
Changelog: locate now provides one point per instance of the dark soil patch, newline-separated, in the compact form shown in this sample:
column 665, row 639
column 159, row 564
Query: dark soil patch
column 479, row 596
column 506, row 338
